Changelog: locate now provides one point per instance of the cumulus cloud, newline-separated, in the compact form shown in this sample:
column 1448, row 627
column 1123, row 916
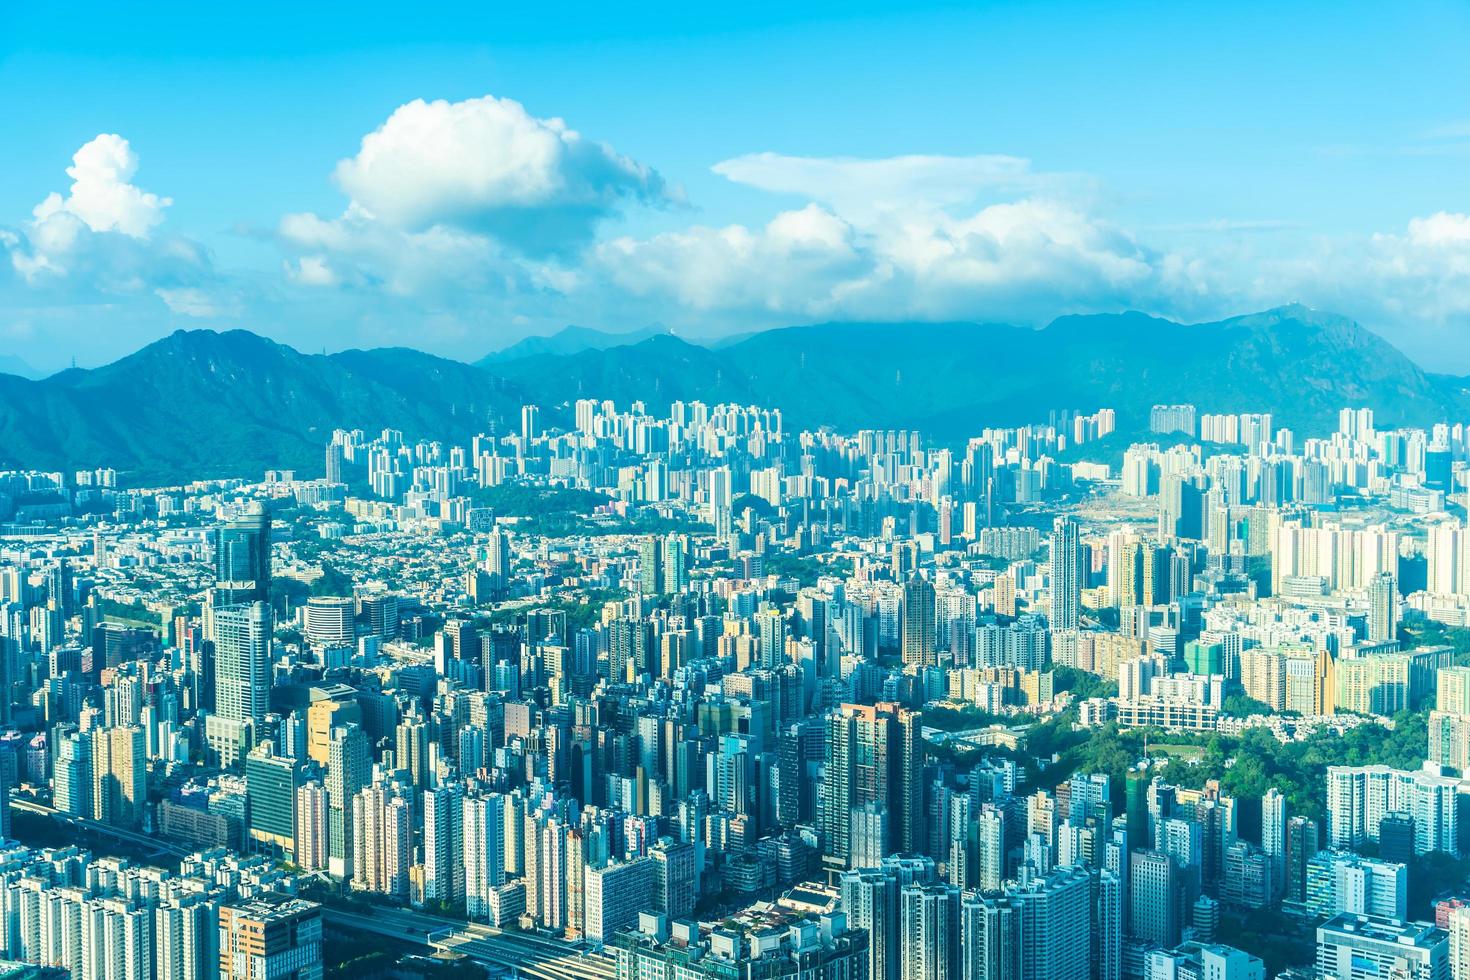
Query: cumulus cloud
column 441, row 261
column 487, row 165
column 801, row 260
column 894, row 238
column 100, row 243
column 101, row 195
column 1421, row 273
column 101, row 200
column 467, row 198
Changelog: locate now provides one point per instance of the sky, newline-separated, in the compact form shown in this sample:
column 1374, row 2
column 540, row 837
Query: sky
column 335, row 175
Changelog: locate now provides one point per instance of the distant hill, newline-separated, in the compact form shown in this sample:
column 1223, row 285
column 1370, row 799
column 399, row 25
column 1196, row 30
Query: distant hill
column 951, row 379
column 199, row 403
column 569, row 340
column 10, row 364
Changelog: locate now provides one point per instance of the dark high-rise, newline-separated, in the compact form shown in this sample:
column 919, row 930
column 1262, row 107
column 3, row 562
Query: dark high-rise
column 918, row 622
column 242, row 558
column 1301, row 847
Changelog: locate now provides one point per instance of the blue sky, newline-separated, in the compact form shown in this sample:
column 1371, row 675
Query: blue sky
column 733, row 168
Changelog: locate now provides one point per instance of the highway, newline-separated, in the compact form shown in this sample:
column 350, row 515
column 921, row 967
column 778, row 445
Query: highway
column 538, row 957
column 147, row 841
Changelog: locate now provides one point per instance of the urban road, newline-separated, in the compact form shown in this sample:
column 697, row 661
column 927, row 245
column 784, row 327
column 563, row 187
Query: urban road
column 521, row 954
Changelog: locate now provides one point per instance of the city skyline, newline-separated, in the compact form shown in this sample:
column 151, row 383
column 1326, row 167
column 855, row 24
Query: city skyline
column 770, row 492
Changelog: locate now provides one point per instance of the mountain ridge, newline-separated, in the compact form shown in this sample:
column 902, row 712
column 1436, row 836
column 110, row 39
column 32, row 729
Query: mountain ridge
column 203, row 403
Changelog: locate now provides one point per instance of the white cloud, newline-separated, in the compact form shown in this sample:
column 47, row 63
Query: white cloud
column 101, row 230
column 865, row 187
column 1423, row 273
column 101, row 195
column 797, row 262
column 467, row 198
column 312, row 270
column 1441, row 230
column 487, row 165
column 357, row 251
column 1024, row 260
column 197, row 302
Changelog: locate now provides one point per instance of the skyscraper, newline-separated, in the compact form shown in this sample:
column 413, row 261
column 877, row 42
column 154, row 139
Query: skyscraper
column 242, row 678
column 242, row 558
column 651, row 565
column 918, row 622
column 873, row 768
column 1066, row 575
column 1273, row 834
column 870, row 899
column 1301, row 847
column 349, row 768
column 1155, row 889
column 990, row 849
column 1055, row 924
column 1383, row 608
column 929, row 917
column 119, row 776
column 271, row 784
column 446, row 861
column 484, row 840
column 990, row 939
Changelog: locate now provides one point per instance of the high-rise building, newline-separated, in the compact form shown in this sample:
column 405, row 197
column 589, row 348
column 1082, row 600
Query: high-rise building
column 271, row 784
column 676, row 877
column 615, row 894
column 651, row 565
column 530, row 422
column 119, row 776
column 382, row 840
column 1458, row 927
column 1066, row 575
column 1383, row 608
column 485, row 841
column 186, row 939
column 1302, row 844
column 1396, row 836
column 1055, row 924
column 242, row 678
column 870, row 900
column 330, row 621
column 990, row 849
column 929, row 927
column 72, row 776
column 446, row 858
column 823, row 947
column 874, row 767
column 1350, row 947
column 990, row 939
column 265, row 940
column 918, row 637
column 1341, row 881
column 242, row 558
column 1359, row 797
column 349, row 768
column 1154, row 885
column 311, row 826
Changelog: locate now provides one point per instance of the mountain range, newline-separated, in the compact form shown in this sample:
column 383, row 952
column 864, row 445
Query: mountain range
column 203, row 404
column 569, row 340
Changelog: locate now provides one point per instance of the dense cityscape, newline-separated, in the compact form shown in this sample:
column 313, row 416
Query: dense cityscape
column 641, row 694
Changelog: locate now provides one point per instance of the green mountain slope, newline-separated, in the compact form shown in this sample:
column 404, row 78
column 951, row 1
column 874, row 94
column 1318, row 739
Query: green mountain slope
column 201, row 404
